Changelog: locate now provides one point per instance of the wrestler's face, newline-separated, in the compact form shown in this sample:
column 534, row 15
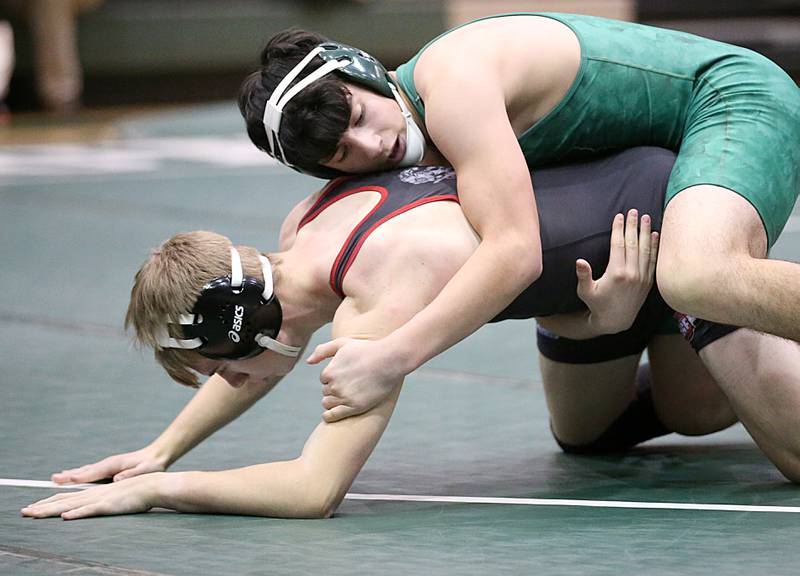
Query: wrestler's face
column 265, row 366
column 375, row 138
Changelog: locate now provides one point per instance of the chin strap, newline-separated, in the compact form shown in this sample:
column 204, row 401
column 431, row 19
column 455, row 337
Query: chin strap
column 261, row 339
column 415, row 140
column 279, row 347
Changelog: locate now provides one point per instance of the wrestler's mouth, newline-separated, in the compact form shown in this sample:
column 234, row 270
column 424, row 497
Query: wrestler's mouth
column 398, row 151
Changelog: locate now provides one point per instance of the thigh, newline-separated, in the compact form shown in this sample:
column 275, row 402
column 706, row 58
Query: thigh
column 687, row 399
column 584, row 399
column 760, row 375
column 741, row 134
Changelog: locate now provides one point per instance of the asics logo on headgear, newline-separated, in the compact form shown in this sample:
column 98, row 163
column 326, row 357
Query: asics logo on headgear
column 238, row 314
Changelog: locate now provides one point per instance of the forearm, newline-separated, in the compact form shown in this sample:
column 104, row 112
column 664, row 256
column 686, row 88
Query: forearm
column 486, row 284
column 495, row 192
column 213, row 406
column 276, row 489
column 310, row 486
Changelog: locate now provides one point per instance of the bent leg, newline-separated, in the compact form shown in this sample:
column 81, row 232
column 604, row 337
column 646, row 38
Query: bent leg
column 712, row 265
column 598, row 407
column 686, row 397
column 760, row 375
column 610, row 406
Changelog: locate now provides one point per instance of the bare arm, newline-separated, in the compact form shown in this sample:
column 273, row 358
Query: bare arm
column 496, row 195
column 312, row 485
column 309, row 486
column 212, row 407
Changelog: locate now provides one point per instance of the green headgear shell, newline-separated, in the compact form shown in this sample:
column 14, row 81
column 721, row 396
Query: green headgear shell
column 363, row 68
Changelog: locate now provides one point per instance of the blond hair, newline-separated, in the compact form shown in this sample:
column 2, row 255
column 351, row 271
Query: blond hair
column 168, row 285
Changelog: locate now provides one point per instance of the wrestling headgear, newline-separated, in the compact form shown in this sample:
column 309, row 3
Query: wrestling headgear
column 356, row 66
column 235, row 317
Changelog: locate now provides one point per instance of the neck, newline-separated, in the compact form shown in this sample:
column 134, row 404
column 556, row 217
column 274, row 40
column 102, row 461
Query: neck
column 305, row 307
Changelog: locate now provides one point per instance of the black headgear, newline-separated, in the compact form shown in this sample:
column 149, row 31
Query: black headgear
column 235, row 317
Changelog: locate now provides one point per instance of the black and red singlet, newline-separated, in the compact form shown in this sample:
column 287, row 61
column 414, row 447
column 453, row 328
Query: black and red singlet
column 576, row 204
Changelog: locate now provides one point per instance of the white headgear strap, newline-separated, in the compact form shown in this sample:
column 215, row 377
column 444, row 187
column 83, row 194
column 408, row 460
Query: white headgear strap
column 415, row 139
column 262, row 339
column 273, row 111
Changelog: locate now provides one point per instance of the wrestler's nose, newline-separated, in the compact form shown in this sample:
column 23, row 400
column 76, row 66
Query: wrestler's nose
column 368, row 142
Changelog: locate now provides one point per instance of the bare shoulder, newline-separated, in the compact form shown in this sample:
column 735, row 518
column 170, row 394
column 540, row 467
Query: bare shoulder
column 497, row 35
column 526, row 56
column 404, row 264
column 288, row 232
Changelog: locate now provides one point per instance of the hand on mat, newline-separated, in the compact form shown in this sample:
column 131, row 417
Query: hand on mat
column 615, row 298
column 118, row 467
column 357, row 378
column 129, row 496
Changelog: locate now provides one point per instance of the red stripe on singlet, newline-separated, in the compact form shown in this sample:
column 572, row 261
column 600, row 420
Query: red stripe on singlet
column 384, row 194
column 322, row 202
column 370, row 230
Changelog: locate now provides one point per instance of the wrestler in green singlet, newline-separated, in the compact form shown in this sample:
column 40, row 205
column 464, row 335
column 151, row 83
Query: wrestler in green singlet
column 732, row 115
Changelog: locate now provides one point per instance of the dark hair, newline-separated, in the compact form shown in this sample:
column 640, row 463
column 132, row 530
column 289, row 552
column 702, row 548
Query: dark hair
column 314, row 120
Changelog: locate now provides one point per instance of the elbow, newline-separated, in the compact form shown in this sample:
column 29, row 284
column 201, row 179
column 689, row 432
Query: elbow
column 534, row 271
column 308, row 507
column 329, row 507
column 518, row 256
column 322, row 504
column 527, row 263
column 331, row 497
column 321, row 496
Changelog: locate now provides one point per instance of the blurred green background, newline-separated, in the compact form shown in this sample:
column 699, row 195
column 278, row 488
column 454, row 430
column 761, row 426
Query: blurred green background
column 151, row 51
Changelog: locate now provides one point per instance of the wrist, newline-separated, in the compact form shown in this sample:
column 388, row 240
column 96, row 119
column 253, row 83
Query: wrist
column 156, row 483
column 594, row 329
column 403, row 355
column 161, row 452
column 168, row 488
column 597, row 329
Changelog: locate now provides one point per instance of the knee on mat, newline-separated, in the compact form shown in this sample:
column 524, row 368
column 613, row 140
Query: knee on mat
column 609, row 442
column 589, row 448
column 790, row 469
column 705, row 412
column 702, row 419
column 638, row 423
